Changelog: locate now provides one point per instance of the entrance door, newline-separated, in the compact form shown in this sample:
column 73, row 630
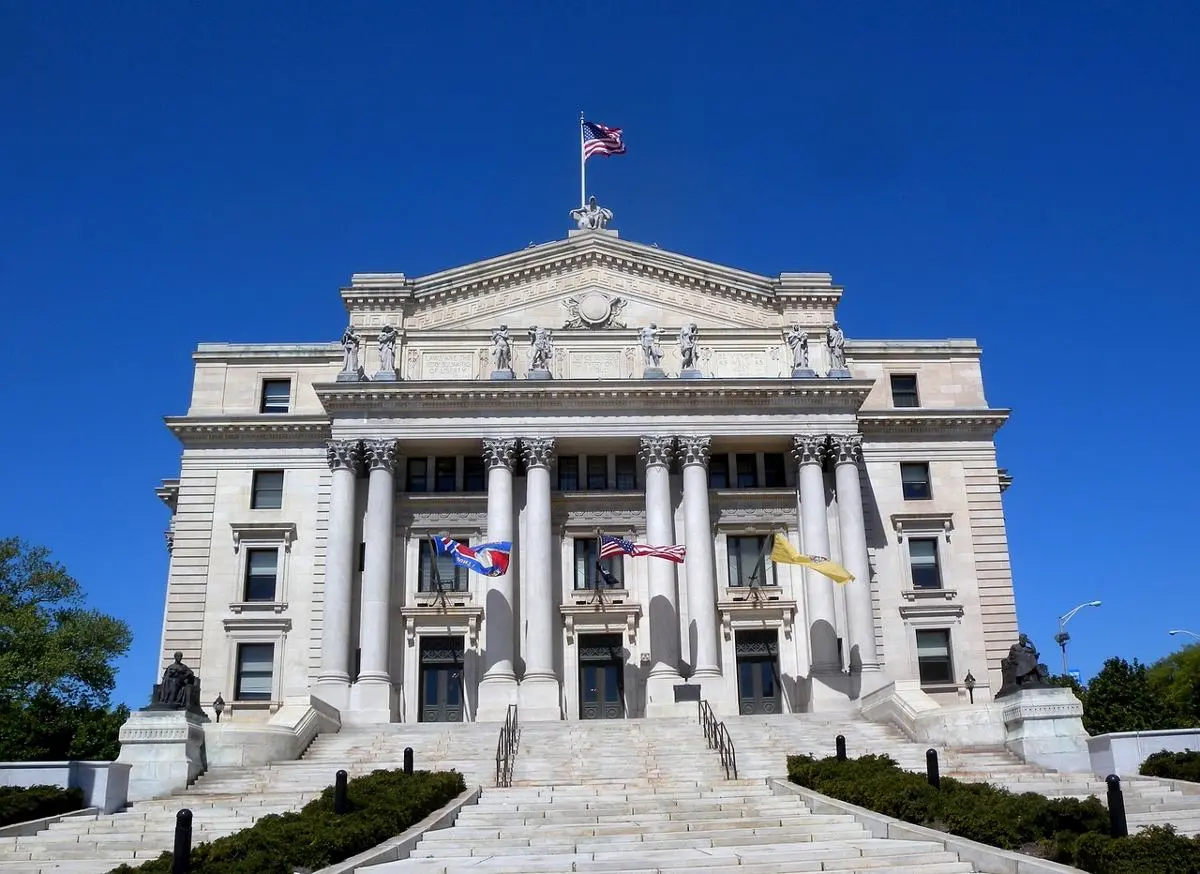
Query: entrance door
column 441, row 679
column 758, row 672
column 601, row 677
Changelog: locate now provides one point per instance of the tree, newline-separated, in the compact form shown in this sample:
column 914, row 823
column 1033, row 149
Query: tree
column 1176, row 680
column 1121, row 698
column 56, row 662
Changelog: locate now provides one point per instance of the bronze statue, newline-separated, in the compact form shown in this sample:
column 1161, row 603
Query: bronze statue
column 179, row 689
column 1020, row 669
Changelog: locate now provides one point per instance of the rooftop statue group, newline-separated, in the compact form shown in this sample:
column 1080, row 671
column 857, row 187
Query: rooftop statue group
column 835, row 343
column 592, row 217
column 652, row 353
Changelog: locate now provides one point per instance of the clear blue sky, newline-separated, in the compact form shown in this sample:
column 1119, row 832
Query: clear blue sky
column 1024, row 174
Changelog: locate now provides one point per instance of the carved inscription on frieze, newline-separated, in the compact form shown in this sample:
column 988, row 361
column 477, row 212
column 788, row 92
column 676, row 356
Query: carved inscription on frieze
column 595, row 365
column 447, row 365
column 730, row 363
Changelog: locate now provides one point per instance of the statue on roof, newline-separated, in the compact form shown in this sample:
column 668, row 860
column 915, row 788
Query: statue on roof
column 387, row 349
column 592, row 217
column 542, row 341
column 797, row 341
column 688, row 350
column 350, row 344
column 648, row 339
column 836, row 340
column 501, row 349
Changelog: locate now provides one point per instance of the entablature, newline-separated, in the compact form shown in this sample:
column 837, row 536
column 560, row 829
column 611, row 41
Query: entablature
column 255, row 429
column 978, row 424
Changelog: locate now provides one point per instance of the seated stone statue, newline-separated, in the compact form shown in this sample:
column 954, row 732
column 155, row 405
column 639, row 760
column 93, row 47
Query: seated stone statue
column 1020, row 669
column 179, row 689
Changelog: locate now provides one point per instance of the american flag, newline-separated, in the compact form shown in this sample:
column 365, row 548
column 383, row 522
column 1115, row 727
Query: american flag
column 610, row 546
column 601, row 140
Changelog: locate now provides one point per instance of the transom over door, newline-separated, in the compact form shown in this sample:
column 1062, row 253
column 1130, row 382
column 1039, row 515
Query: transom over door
column 757, row 654
column 601, row 677
column 441, row 679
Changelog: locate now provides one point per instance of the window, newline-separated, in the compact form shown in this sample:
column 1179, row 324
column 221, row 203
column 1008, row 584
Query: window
column 276, row 396
column 718, row 472
column 923, row 558
column 262, row 571
column 904, row 390
column 568, row 473
column 267, row 490
column 474, row 474
column 597, row 472
column 445, row 474
column 933, row 656
column 255, row 667
column 747, row 470
column 626, row 473
column 453, row 577
column 914, row 480
column 747, row 563
column 774, row 470
column 586, row 577
column 417, row 479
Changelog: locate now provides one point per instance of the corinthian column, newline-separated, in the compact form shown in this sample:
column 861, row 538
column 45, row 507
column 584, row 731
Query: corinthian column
column 372, row 699
column 663, row 610
column 333, row 683
column 498, row 688
column 860, row 613
column 701, row 573
column 539, row 695
column 809, row 450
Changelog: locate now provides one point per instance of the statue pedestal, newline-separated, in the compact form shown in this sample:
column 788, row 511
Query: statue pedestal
column 1044, row 726
column 538, row 374
column 654, row 373
column 346, row 376
column 385, row 376
column 839, row 373
column 690, row 373
column 805, row 373
column 164, row 749
column 503, row 374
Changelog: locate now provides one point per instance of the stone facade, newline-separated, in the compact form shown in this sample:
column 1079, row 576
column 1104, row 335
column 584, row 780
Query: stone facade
column 304, row 504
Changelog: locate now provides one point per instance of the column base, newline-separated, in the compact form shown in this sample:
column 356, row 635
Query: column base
column 334, row 691
column 830, row 693
column 660, row 697
column 372, row 702
column 495, row 694
column 539, row 700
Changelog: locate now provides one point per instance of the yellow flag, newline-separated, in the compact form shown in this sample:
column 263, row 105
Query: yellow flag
column 783, row 553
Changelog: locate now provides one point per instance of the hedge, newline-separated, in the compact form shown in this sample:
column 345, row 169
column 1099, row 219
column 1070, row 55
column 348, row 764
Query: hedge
column 1173, row 766
column 381, row 805
column 23, row 803
column 1064, row 830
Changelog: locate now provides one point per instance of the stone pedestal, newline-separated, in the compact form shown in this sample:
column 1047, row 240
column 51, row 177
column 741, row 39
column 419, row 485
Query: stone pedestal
column 1044, row 726
column 503, row 375
column 690, row 373
column 372, row 702
column 660, row 698
column 839, row 373
column 538, row 700
column 495, row 694
column 164, row 749
column 803, row 373
column 385, row 376
column 654, row 373
column 346, row 376
column 538, row 374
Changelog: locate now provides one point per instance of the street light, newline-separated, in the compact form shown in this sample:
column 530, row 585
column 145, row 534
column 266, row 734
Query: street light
column 1184, row 631
column 1062, row 637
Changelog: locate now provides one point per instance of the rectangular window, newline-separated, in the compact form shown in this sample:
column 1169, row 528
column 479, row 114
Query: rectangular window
column 626, row 473
column 904, row 390
column 453, row 577
column 445, row 471
column 747, row 470
column 933, row 656
column 276, row 396
column 747, row 563
column 568, row 473
column 255, row 666
column 718, row 472
column 597, row 472
column 914, row 479
column 474, row 474
column 586, row 575
column 774, row 470
column 267, row 490
column 923, row 558
column 417, row 479
column 262, row 570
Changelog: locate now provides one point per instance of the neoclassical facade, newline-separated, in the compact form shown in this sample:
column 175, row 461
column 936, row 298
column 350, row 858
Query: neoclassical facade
column 521, row 398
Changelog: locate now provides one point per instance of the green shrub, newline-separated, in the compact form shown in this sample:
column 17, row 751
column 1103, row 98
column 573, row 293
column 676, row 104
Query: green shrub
column 1173, row 766
column 21, row 804
column 381, row 806
column 1155, row 850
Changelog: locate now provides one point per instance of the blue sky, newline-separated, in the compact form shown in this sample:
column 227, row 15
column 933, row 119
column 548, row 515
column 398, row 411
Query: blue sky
column 1024, row 174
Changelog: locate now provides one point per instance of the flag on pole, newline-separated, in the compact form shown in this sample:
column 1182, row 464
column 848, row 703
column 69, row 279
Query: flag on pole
column 601, row 140
column 783, row 553
column 489, row 559
column 610, row 546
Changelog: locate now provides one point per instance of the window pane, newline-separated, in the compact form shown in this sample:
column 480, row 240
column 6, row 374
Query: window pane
column 444, row 474
column 417, row 479
column 904, row 391
column 267, row 491
column 768, row 679
column 627, row 472
column 431, row 684
column 255, row 666
column 568, row 473
column 744, row 558
column 718, row 472
column 611, row 689
column 774, row 470
column 453, row 577
column 452, row 687
column 933, row 656
column 914, row 478
column 923, row 559
column 276, row 395
column 597, row 472
column 261, row 572
column 474, row 475
column 583, row 564
column 747, row 471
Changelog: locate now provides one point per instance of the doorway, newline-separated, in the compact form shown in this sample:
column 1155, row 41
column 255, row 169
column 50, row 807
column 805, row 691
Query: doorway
column 441, row 679
column 757, row 654
column 601, row 676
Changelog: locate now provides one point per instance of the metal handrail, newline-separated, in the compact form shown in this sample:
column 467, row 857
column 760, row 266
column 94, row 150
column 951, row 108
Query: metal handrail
column 506, row 747
column 717, row 736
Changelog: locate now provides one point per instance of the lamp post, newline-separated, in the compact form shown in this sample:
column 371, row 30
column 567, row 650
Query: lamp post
column 1062, row 637
column 969, row 682
column 218, row 706
column 1184, row 631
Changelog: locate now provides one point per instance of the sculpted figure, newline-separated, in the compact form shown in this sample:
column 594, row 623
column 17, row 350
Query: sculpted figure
column 501, row 349
column 797, row 341
column 178, row 681
column 542, row 341
column 687, row 345
column 648, row 337
column 1020, row 668
column 387, row 348
column 837, row 347
column 591, row 217
column 350, row 344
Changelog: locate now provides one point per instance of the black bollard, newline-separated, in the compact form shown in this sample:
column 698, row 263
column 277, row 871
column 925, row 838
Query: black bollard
column 182, row 862
column 931, row 769
column 339, row 792
column 839, row 743
column 1116, row 807
column 408, row 760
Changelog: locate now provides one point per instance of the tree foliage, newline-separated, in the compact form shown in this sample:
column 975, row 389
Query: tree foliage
column 56, row 662
column 1176, row 680
column 1130, row 696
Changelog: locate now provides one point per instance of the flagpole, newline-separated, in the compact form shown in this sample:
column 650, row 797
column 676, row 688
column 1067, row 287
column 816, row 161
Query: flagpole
column 582, row 166
column 770, row 541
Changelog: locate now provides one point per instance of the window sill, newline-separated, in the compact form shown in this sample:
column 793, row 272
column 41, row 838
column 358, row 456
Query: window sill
column 748, row 593
column 592, row 596
column 939, row 688
column 258, row 606
column 459, row 598
column 929, row 594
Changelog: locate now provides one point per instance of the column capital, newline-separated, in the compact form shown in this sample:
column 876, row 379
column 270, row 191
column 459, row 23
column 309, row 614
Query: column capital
column 694, row 450
column 381, row 454
column 500, row 452
column 537, row 451
column 809, row 448
column 845, row 448
column 344, row 454
column 657, row 449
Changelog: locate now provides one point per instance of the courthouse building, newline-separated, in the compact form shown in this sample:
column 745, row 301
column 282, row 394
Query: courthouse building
column 313, row 477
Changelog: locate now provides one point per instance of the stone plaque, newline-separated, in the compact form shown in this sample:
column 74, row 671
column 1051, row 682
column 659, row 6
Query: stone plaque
column 734, row 364
column 595, row 365
column 446, row 365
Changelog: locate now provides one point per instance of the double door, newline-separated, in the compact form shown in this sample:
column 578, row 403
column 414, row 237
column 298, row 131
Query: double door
column 757, row 654
column 441, row 679
column 601, row 677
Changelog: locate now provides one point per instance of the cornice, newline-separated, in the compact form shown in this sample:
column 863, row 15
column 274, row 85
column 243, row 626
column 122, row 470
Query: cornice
column 255, row 429
column 980, row 424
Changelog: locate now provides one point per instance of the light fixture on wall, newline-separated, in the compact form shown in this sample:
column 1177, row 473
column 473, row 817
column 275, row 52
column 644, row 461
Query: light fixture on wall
column 969, row 682
column 218, row 706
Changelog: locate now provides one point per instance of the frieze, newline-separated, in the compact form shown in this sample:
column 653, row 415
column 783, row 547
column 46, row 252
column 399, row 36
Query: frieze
column 157, row 735
column 422, row 519
column 447, row 365
column 594, row 365
column 1023, row 711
